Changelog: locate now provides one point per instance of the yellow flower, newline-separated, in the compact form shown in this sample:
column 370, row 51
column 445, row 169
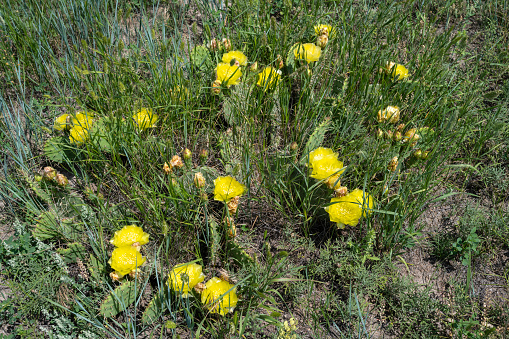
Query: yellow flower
column 145, row 118
column 83, row 119
column 327, row 166
column 227, row 188
column 62, row 123
column 237, row 56
column 319, row 153
column 396, row 71
column 228, row 75
column 184, row 277
column 322, row 29
column 128, row 236
column 78, row 135
column 211, row 296
column 125, row 260
column 268, row 78
column 349, row 209
column 391, row 113
column 308, row 52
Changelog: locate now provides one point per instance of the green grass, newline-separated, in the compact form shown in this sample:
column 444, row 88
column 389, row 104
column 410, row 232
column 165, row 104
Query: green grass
column 111, row 59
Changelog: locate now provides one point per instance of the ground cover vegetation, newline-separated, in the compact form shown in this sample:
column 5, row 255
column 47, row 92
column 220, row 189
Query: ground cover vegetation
column 254, row 169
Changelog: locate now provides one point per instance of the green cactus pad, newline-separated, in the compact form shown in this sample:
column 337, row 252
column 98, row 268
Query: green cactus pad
column 119, row 299
column 238, row 254
column 72, row 252
column 59, row 150
column 200, row 58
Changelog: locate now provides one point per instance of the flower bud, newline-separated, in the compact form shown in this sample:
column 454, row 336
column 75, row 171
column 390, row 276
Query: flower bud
column 232, row 231
column 389, row 134
column 379, row 133
column 425, row 155
column 49, row 173
column 400, row 127
column 213, row 45
column 254, row 66
column 280, row 62
column 204, row 154
column 199, row 180
column 204, row 197
column 187, row 154
column 397, row 136
column 393, row 164
column 322, row 41
column 199, row 287
column 176, row 161
column 61, row 180
column 294, row 146
column 418, row 154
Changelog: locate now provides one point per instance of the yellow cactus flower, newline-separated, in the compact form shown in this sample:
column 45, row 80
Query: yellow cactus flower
column 183, row 277
column 396, row 71
column 327, row 166
column 228, row 75
column 211, row 296
column 128, row 236
column 308, row 52
column 238, row 56
column 62, row 122
column 349, row 209
column 78, row 135
column 268, row 78
column 391, row 114
column 145, row 118
column 125, row 260
column 83, row 119
column 322, row 29
column 227, row 188
column 319, row 153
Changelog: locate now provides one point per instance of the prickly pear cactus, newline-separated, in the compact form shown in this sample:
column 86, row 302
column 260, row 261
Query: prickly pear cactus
column 119, row 299
column 73, row 252
column 316, row 139
column 200, row 58
column 57, row 149
column 154, row 309
column 214, row 240
column 236, row 104
column 238, row 254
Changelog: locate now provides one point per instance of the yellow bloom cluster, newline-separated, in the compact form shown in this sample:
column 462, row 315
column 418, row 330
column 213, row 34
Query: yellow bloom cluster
column 184, row 277
column 238, row 58
column 126, row 257
column 78, row 126
column 227, row 74
column 349, row 209
column 219, row 296
column 145, row 118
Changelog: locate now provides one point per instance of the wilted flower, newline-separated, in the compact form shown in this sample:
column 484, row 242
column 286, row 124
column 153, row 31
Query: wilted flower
column 308, row 52
column 411, row 136
column 254, row 66
column 61, row 180
column 397, row 136
column 233, row 204
column 145, row 118
column 227, row 44
column 349, row 209
column 393, row 164
column 187, row 154
column 49, row 173
column 219, row 296
column 216, row 87
column 227, row 74
column 238, row 56
column 130, row 235
column 183, row 277
column 62, row 122
column 227, row 188
column 268, row 78
column 166, row 168
column 391, row 114
column 78, row 135
column 125, row 260
column 176, row 161
column 199, row 180
column 279, row 61
column 213, row 44
column 322, row 41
